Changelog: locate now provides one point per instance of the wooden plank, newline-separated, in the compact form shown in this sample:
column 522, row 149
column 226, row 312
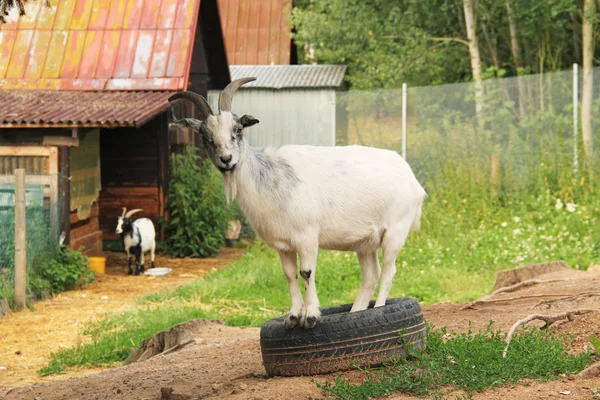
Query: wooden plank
column 140, row 191
column 20, row 240
column 29, row 179
column 91, row 242
column 93, row 214
column 60, row 141
column 84, row 230
column 33, row 151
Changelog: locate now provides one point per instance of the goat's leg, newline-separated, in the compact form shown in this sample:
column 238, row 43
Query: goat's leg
column 143, row 258
column 138, row 252
column 152, row 253
column 290, row 269
column 369, row 265
column 130, row 271
column 392, row 244
column 308, row 264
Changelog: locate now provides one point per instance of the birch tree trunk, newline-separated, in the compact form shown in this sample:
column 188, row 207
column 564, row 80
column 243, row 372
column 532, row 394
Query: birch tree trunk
column 470, row 24
column 589, row 12
column 516, row 53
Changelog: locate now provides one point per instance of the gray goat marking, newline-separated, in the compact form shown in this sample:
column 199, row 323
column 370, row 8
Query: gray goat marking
column 270, row 176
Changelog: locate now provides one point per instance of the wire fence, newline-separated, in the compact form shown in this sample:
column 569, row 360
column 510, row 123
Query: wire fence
column 525, row 127
column 43, row 205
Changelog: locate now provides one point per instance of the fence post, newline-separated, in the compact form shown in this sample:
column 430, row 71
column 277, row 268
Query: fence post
column 404, row 121
column 575, row 115
column 20, row 240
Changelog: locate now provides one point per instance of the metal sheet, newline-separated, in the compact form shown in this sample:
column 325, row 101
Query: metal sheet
column 256, row 32
column 31, row 108
column 299, row 116
column 86, row 45
column 290, row 76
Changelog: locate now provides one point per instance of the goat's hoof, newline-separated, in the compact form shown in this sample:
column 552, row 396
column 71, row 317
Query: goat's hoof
column 310, row 322
column 290, row 321
column 142, row 269
column 137, row 273
column 130, row 272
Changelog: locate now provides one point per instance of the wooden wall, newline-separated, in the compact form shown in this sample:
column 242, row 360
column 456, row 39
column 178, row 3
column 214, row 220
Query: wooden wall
column 87, row 233
column 134, row 165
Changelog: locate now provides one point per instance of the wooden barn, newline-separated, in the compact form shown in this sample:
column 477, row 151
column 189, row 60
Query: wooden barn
column 83, row 97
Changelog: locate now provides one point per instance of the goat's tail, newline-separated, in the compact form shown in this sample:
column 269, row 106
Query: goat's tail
column 416, row 225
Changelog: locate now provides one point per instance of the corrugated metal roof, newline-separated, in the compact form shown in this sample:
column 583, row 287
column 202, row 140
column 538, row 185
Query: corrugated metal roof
column 98, row 45
column 257, row 32
column 290, row 76
column 33, row 108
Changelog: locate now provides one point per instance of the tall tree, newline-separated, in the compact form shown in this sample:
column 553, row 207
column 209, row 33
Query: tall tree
column 589, row 16
column 516, row 55
column 470, row 24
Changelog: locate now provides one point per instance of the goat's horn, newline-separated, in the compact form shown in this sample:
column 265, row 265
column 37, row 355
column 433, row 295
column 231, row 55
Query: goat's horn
column 131, row 212
column 124, row 210
column 227, row 95
column 199, row 101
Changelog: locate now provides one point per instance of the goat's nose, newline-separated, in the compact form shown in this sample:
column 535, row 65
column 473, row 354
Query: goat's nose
column 226, row 159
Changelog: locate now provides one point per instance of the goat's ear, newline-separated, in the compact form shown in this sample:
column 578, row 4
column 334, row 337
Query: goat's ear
column 189, row 123
column 248, row 120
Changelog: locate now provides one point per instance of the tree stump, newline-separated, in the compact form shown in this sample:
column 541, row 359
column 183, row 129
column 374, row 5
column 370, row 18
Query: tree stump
column 512, row 276
column 169, row 339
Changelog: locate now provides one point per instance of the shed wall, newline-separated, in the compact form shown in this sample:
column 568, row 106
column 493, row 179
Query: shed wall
column 287, row 116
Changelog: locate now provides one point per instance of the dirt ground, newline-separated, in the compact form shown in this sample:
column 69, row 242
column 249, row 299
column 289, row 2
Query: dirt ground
column 225, row 362
column 28, row 337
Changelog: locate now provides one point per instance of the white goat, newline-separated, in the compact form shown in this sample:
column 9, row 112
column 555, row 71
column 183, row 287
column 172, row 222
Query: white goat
column 138, row 238
column 302, row 198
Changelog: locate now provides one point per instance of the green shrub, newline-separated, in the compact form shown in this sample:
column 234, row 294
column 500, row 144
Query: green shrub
column 197, row 208
column 68, row 270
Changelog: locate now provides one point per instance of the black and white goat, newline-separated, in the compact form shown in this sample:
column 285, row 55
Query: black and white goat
column 302, row 198
column 138, row 238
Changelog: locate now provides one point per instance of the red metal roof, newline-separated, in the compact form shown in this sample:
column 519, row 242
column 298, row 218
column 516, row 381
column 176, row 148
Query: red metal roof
column 61, row 109
column 256, row 32
column 98, row 45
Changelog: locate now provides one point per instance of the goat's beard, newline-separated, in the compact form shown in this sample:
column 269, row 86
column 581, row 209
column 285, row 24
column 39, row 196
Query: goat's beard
column 230, row 187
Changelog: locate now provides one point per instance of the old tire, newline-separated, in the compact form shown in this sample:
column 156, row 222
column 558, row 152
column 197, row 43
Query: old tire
column 342, row 339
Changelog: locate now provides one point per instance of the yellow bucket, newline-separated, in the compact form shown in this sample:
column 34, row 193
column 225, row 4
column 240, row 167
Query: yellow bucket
column 97, row 264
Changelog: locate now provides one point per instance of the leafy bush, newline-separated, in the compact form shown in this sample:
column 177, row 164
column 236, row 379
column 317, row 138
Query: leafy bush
column 197, row 208
column 236, row 213
column 68, row 270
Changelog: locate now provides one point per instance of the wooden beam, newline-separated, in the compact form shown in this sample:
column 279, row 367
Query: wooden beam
column 25, row 151
column 20, row 240
column 65, row 184
column 66, row 126
column 29, row 179
column 60, row 141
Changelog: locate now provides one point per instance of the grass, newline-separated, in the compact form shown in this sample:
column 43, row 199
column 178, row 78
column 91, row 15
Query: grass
column 542, row 212
column 453, row 258
column 470, row 361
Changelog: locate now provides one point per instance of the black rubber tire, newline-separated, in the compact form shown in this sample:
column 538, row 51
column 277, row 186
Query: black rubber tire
column 341, row 340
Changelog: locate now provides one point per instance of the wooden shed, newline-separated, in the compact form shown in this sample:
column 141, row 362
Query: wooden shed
column 83, row 96
column 296, row 104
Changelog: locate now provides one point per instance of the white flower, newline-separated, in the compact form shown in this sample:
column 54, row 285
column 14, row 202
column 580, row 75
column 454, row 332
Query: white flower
column 503, row 224
column 559, row 204
column 571, row 207
column 516, row 232
column 516, row 219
